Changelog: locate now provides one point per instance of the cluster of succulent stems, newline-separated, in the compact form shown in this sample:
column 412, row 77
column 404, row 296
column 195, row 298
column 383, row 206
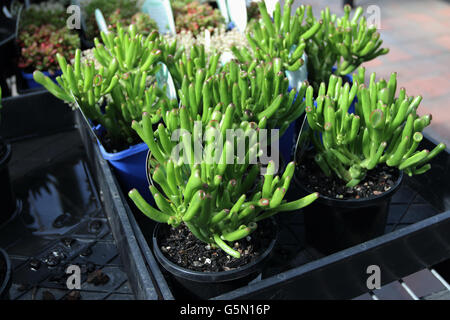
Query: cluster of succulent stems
column 384, row 129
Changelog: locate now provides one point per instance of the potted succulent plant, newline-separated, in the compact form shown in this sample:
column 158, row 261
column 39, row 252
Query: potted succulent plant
column 341, row 45
column 39, row 45
column 113, row 93
column 215, row 199
column 284, row 37
column 358, row 159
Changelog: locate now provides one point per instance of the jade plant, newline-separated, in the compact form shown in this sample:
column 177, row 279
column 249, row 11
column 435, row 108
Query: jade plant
column 120, row 90
column 344, row 43
column 284, row 37
column 385, row 128
column 219, row 201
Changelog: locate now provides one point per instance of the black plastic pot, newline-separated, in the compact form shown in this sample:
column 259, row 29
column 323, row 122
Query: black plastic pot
column 5, row 275
column 7, row 198
column 205, row 285
column 332, row 225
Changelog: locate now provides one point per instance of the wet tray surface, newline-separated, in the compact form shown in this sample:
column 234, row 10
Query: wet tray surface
column 61, row 223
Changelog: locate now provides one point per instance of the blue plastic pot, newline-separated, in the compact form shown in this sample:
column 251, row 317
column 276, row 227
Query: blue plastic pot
column 33, row 84
column 129, row 166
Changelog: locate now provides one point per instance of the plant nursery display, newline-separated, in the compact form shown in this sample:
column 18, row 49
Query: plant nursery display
column 344, row 43
column 192, row 174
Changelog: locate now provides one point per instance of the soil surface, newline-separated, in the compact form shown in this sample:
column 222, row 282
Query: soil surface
column 376, row 182
column 182, row 248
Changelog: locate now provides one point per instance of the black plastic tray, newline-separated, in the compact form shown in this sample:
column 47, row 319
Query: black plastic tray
column 124, row 228
column 34, row 114
column 417, row 236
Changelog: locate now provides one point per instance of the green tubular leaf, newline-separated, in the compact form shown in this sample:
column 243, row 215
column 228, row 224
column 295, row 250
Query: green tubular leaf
column 164, row 139
column 194, row 183
column 277, row 197
column 298, row 204
column 149, row 138
column 171, row 179
column 311, row 31
column 272, row 108
column 247, row 212
column 394, row 159
column 373, row 161
column 194, row 205
column 162, row 203
column 147, row 209
column 413, row 160
column 219, row 216
column 237, row 235
column 54, row 89
column 400, row 116
column 237, row 206
column 392, row 87
column 225, row 247
column 423, row 169
column 433, row 153
column 268, row 177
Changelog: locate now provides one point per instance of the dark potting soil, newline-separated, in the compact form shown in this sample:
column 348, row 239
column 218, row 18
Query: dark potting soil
column 182, row 248
column 376, row 182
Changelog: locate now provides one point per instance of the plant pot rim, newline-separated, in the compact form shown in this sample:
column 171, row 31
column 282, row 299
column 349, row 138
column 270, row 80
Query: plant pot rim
column 221, row 276
column 362, row 202
column 29, row 75
column 122, row 154
column 4, row 285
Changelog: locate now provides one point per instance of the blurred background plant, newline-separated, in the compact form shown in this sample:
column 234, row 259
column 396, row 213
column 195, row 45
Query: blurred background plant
column 40, row 44
column 144, row 24
column 124, row 11
column 220, row 40
column 195, row 16
column 48, row 12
